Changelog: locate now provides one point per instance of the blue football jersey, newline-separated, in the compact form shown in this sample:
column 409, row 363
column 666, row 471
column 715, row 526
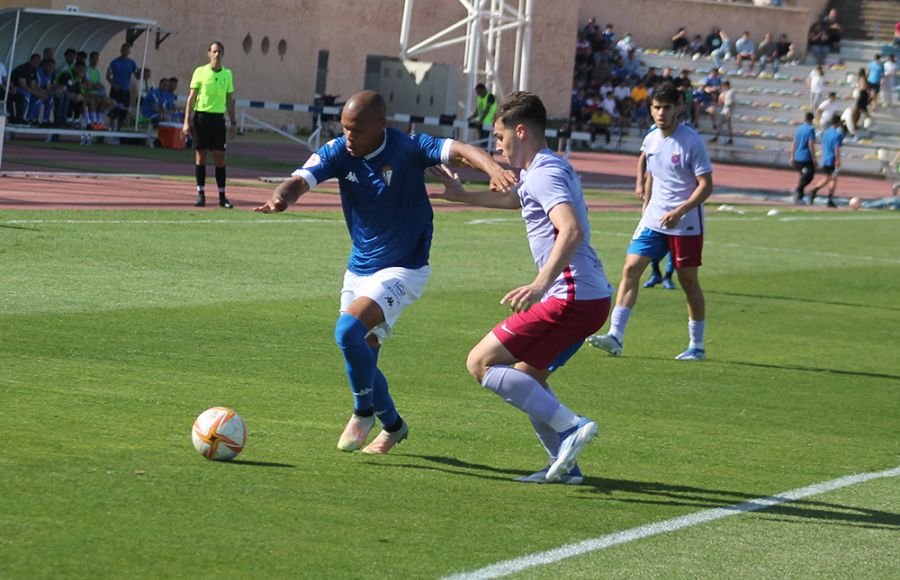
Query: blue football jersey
column 383, row 195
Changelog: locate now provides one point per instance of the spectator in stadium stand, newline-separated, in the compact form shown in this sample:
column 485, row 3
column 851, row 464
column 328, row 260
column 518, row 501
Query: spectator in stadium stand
column 833, row 30
column 766, row 53
column 746, row 50
column 599, row 123
column 888, row 81
column 665, row 77
column 696, row 47
column 591, row 29
column 625, row 46
column 28, row 95
column 815, row 81
column 785, row 52
column 582, row 49
column 897, row 34
column 49, row 54
column 680, row 42
column 817, row 42
column 721, row 53
column 119, row 74
column 874, row 74
column 826, row 110
column 211, row 96
column 863, row 96
column 726, row 101
column 713, row 40
column 609, row 35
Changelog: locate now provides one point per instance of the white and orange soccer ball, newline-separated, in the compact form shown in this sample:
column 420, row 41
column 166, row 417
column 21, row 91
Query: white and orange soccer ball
column 219, row 434
column 854, row 203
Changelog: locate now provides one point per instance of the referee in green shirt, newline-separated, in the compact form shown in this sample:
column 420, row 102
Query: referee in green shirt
column 212, row 90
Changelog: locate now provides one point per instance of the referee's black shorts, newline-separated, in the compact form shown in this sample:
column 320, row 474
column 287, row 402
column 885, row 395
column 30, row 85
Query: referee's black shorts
column 209, row 131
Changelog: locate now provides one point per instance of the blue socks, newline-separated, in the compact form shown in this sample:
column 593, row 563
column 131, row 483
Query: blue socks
column 350, row 335
column 367, row 383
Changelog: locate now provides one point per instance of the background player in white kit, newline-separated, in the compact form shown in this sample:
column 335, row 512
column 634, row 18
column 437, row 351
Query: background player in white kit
column 566, row 301
column 672, row 221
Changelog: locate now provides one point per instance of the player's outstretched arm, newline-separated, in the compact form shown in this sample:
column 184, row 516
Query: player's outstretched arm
column 284, row 195
column 454, row 191
column 502, row 180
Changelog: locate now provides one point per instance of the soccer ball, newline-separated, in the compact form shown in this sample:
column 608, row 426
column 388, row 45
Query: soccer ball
column 854, row 203
column 219, row 434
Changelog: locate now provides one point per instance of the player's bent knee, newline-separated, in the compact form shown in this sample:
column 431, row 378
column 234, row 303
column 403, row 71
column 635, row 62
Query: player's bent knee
column 348, row 331
column 476, row 366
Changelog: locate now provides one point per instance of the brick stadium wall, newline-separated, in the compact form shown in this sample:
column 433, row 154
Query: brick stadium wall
column 348, row 29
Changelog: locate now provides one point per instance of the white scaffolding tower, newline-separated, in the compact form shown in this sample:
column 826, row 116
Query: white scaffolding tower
column 485, row 23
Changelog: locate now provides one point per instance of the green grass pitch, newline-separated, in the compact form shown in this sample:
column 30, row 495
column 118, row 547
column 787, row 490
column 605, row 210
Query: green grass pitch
column 118, row 328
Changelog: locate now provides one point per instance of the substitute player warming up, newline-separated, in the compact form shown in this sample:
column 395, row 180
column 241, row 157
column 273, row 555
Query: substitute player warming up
column 672, row 221
column 566, row 301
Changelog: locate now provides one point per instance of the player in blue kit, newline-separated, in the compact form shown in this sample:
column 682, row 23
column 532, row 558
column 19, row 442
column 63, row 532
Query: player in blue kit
column 381, row 172
column 803, row 155
column 831, row 160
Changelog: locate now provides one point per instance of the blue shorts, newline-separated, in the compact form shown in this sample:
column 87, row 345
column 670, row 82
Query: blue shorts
column 649, row 243
column 686, row 251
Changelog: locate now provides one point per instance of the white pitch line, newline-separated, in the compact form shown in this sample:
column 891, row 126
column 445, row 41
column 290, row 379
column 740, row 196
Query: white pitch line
column 806, row 252
column 507, row 567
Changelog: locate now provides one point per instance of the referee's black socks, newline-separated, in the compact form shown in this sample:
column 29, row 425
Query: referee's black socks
column 200, row 173
column 220, row 181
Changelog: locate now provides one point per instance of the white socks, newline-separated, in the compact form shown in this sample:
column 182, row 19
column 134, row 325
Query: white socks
column 695, row 330
column 618, row 321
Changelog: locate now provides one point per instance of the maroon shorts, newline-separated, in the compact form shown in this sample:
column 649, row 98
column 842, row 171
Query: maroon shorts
column 686, row 251
column 538, row 335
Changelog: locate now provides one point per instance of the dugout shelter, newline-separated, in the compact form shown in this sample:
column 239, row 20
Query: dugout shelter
column 24, row 31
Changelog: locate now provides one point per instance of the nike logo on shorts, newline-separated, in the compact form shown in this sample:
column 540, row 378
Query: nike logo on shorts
column 503, row 326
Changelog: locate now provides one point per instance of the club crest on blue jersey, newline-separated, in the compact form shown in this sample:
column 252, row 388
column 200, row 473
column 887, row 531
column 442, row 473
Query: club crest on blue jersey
column 676, row 158
column 386, row 172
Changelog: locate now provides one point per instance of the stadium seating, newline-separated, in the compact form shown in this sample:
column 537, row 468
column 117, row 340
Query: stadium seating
column 769, row 107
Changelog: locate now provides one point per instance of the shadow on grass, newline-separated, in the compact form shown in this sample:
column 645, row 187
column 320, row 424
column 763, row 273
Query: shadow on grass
column 816, row 370
column 802, row 368
column 14, row 227
column 261, row 463
column 654, row 493
column 678, row 496
column 456, row 466
column 800, row 299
